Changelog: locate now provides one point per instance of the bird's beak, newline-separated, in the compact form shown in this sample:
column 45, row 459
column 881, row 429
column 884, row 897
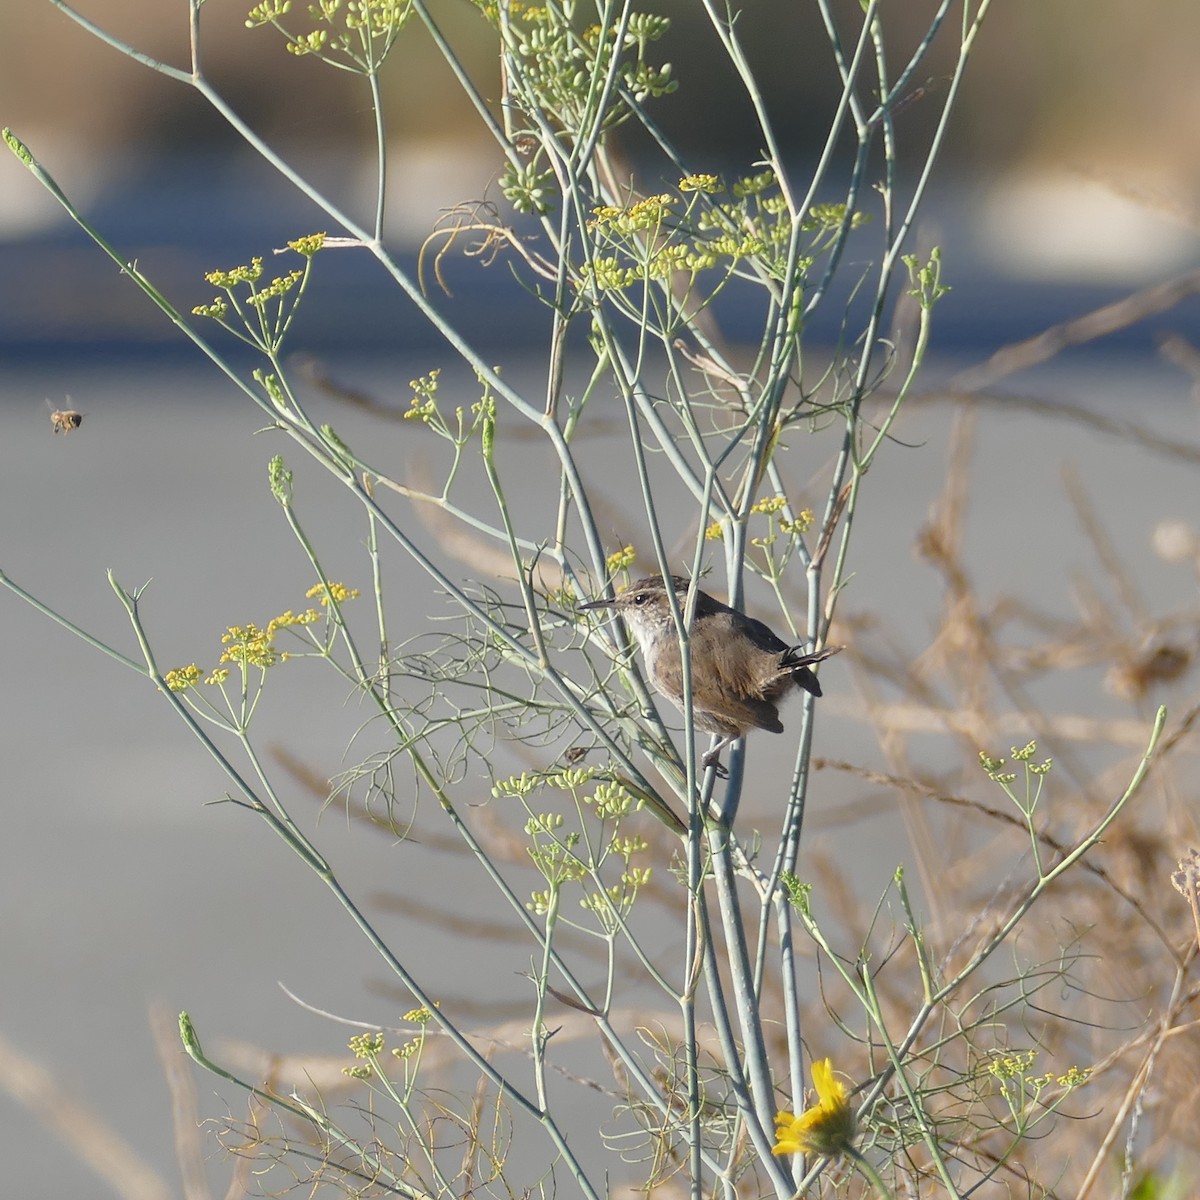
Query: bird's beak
column 599, row 604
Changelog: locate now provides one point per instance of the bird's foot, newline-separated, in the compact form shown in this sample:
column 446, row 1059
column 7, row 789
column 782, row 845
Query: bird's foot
column 712, row 759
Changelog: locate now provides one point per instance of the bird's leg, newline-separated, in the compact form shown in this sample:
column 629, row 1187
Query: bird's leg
column 711, row 758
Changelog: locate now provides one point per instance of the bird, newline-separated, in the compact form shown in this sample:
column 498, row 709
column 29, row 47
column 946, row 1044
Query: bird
column 741, row 670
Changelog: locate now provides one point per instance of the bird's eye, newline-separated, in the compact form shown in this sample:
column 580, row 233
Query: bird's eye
column 640, row 599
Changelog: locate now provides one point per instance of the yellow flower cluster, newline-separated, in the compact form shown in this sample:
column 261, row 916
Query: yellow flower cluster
column 308, row 245
column 1008, row 1066
column 647, row 213
column 367, row 1045
column 250, row 272
column 288, row 619
column 1016, row 1064
column 337, row 591
column 278, row 287
column 770, row 504
column 218, row 310
column 183, row 678
column 802, row 523
column 620, row 560
column 424, row 402
column 249, row 646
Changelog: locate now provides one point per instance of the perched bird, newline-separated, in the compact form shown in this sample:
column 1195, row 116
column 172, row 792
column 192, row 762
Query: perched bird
column 740, row 669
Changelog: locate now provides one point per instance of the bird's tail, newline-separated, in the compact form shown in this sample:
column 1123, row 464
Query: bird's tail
column 796, row 661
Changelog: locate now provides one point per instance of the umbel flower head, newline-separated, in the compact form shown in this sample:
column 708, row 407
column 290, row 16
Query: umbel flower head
column 826, row 1128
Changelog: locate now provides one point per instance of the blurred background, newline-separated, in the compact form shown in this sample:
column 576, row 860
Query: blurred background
column 1069, row 182
column 1072, row 163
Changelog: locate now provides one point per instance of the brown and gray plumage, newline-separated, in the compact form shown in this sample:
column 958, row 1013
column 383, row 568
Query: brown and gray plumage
column 741, row 671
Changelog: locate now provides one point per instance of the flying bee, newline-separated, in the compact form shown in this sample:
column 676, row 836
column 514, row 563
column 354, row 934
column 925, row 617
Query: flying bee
column 65, row 420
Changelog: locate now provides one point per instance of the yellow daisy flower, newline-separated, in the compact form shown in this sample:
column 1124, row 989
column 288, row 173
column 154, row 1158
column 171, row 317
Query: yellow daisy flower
column 826, row 1128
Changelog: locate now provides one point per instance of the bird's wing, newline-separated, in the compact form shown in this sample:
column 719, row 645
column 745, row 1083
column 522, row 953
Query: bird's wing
column 737, row 678
column 762, row 636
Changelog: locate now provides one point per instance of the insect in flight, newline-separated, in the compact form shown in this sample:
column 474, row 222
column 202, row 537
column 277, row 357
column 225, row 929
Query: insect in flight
column 65, row 420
